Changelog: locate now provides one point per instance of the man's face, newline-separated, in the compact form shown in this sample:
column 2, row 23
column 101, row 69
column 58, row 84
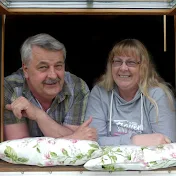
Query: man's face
column 45, row 73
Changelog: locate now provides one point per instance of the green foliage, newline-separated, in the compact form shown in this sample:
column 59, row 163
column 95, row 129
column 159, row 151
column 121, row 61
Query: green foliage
column 94, row 146
column 53, row 155
column 65, row 152
column 10, row 153
column 110, row 167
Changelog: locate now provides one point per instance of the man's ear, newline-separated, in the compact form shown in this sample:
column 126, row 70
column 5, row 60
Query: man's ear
column 25, row 70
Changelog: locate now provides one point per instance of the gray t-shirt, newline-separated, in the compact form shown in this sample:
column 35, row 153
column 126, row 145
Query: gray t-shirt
column 137, row 116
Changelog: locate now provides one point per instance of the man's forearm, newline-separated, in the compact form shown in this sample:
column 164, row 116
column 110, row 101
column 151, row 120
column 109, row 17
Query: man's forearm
column 51, row 128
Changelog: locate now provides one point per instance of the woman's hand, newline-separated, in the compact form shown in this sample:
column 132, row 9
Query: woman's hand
column 150, row 139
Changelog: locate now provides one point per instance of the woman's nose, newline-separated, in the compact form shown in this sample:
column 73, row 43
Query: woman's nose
column 124, row 66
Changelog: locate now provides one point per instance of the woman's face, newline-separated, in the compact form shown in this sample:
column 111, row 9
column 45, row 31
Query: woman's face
column 125, row 72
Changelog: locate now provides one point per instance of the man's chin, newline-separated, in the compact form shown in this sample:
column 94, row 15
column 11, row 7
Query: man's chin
column 55, row 92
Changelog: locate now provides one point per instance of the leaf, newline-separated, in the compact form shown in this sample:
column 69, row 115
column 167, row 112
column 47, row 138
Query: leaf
column 107, row 150
column 23, row 160
column 38, row 150
column 53, row 154
column 114, row 158
column 142, row 148
column 118, row 150
column 80, row 156
column 160, row 147
column 129, row 157
column 94, row 146
column 73, row 162
column 89, row 153
column 120, row 169
column 10, row 153
column 65, row 152
column 153, row 162
column 108, row 167
column 35, row 146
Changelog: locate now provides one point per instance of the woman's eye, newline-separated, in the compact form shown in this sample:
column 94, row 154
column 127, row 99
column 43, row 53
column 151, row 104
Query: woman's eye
column 117, row 61
column 131, row 62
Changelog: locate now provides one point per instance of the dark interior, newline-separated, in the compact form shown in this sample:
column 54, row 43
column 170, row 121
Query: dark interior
column 89, row 38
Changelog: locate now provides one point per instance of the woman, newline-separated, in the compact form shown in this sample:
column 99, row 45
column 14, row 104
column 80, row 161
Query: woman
column 131, row 103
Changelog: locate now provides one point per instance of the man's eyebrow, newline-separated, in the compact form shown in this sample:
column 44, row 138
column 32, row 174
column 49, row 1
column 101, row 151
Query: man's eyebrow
column 40, row 63
column 59, row 62
column 46, row 63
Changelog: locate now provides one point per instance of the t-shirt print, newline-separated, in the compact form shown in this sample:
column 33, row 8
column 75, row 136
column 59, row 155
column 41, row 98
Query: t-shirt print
column 123, row 126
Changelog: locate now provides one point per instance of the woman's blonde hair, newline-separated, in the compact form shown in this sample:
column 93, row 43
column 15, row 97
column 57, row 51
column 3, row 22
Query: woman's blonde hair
column 148, row 76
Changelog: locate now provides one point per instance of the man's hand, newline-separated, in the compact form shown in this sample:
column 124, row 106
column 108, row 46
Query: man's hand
column 84, row 132
column 150, row 139
column 21, row 107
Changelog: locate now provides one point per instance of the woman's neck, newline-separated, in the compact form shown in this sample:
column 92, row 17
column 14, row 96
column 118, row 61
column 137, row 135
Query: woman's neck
column 127, row 95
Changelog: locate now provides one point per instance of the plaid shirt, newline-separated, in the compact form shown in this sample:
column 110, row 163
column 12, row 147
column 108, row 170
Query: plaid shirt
column 68, row 106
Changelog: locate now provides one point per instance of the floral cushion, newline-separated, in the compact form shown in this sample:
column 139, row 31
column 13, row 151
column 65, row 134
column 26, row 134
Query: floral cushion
column 161, row 156
column 117, row 158
column 46, row 151
column 134, row 158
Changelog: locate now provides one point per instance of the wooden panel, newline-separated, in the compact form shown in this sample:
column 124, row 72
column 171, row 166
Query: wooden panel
column 173, row 11
column 7, row 167
column 3, row 9
column 91, row 11
column 2, row 75
column 175, row 46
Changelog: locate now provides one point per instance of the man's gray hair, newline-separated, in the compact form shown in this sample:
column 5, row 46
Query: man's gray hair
column 41, row 40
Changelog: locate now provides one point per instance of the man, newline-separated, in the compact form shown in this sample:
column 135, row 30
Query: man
column 41, row 99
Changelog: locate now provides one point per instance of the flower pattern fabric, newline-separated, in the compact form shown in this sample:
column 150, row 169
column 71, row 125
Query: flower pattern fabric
column 119, row 158
column 46, row 151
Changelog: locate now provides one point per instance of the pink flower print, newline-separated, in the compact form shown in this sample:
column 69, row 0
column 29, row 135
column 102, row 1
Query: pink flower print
column 40, row 140
column 2, row 156
column 144, row 163
column 49, row 163
column 173, row 155
column 47, row 156
column 60, row 162
column 74, row 140
column 52, row 141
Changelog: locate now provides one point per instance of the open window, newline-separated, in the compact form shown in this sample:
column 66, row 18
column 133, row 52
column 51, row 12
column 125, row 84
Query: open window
column 88, row 28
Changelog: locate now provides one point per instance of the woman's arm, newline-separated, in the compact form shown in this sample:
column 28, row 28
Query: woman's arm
column 166, row 122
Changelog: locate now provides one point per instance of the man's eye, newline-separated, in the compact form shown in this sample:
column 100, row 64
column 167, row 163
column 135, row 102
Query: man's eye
column 59, row 66
column 42, row 67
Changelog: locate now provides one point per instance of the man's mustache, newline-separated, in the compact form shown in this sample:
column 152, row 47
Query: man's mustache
column 51, row 81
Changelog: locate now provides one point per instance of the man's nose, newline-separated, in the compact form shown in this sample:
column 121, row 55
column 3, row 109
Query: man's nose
column 52, row 73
